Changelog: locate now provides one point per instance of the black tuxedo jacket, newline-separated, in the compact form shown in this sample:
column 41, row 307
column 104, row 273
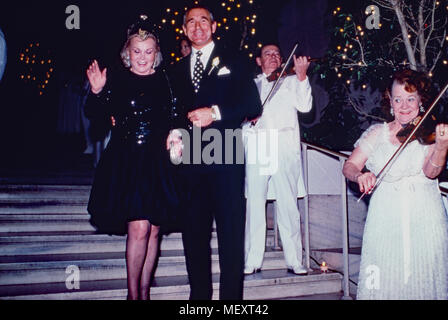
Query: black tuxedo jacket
column 229, row 86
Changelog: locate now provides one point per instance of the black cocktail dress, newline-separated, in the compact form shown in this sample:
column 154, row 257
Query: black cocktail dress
column 133, row 180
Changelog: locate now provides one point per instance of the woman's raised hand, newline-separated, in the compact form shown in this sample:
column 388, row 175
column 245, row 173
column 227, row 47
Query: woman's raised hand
column 97, row 78
column 442, row 136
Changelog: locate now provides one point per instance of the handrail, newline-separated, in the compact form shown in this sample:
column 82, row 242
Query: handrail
column 345, row 245
column 342, row 155
column 325, row 150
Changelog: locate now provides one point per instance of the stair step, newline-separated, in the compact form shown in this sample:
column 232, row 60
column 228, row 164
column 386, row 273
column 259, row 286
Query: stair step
column 44, row 228
column 105, row 269
column 5, row 235
column 39, row 226
column 80, row 236
column 58, row 237
column 84, row 179
column 92, row 243
column 268, row 284
column 43, row 209
column 43, row 217
column 24, row 202
column 42, row 188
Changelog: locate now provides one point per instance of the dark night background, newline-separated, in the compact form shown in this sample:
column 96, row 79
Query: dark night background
column 28, row 134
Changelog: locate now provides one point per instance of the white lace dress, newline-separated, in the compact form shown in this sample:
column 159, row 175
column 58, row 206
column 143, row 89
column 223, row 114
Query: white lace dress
column 405, row 242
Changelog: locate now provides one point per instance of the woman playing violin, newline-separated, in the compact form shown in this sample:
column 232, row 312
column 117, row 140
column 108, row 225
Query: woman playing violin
column 405, row 242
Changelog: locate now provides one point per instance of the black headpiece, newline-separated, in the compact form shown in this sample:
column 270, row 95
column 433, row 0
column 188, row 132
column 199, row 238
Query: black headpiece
column 143, row 28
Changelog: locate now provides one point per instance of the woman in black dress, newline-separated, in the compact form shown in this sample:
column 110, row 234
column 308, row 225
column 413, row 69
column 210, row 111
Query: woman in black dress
column 132, row 190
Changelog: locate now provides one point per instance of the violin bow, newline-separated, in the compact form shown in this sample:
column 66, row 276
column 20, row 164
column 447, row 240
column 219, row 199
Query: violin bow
column 281, row 74
column 383, row 171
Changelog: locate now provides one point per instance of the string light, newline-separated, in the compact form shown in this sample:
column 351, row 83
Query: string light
column 351, row 62
column 36, row 76
column 234, row 17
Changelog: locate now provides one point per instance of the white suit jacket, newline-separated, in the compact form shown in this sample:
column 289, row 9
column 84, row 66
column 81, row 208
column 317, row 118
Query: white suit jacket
column 280, row 112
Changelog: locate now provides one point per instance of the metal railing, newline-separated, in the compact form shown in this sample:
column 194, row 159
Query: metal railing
column 344, row 216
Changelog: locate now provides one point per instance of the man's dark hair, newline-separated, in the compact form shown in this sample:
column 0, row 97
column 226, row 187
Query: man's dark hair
column 271, row 43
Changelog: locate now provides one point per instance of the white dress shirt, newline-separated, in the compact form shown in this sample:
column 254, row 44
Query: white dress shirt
column 206, row 53
column 291, row 95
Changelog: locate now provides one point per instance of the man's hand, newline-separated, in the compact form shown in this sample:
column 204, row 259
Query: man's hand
column 301, row 65
column 201, row 117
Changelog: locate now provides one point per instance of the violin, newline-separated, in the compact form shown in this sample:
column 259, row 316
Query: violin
column 276, row 73
column 425, row 134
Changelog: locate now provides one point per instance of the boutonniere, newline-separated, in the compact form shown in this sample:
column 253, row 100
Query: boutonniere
column 215, row 63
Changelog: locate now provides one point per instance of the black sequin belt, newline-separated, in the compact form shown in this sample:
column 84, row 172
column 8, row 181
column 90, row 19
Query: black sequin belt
column 136, row 126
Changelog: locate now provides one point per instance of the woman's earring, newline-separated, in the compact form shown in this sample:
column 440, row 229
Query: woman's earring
column 392, row 112
column 128, row 60
column 422, row 110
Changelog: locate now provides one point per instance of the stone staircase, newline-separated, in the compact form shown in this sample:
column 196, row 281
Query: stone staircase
column 45, row 236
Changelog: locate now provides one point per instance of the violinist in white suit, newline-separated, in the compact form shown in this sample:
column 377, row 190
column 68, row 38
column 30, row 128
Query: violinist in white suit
column 273, row 160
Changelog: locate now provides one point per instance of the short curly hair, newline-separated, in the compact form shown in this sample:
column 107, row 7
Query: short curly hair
column 124, row 54
column 414, row 81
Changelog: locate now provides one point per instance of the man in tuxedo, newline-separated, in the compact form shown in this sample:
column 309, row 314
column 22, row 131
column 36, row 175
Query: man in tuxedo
column 284, row 182
column 214, row 94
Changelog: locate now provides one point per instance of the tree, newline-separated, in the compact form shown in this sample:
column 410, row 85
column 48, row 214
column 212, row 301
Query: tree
column 371, row 40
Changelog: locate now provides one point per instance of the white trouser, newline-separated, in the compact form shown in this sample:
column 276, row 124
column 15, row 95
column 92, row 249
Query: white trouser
column 284, row 180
